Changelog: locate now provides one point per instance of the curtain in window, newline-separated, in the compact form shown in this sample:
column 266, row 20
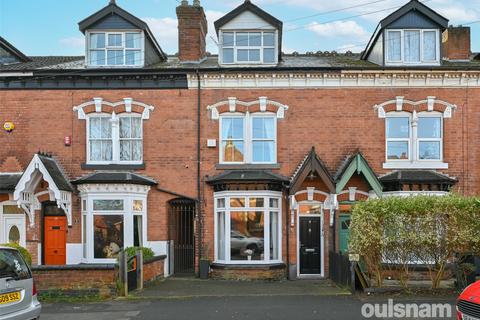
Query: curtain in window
column 430, row 46
column 263, row 139
column 130, row 139
column 412, row 46
column 394, row 46
column 100, row 135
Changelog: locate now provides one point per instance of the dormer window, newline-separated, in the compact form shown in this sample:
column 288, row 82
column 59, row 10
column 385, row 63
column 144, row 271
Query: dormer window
column 115, row 49
column 248, row 47
column 412, row 47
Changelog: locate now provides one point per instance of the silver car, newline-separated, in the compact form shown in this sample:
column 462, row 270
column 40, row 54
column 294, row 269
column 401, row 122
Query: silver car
column 18, row 295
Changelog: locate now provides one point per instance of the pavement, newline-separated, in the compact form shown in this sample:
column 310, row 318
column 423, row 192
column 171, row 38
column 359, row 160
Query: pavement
column 178, row 299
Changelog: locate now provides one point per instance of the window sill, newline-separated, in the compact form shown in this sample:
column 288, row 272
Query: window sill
column 86, row 166
column 253, row 166
column 258, row 266
column 415, row 165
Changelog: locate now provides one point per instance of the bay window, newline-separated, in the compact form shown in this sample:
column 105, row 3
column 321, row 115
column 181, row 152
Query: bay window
column 114, row 139
column 249, row 138
column 247, row 227
column 420, row 46
column 414, row 139
column 248, row 47
column 115, row 48
column 112, row 222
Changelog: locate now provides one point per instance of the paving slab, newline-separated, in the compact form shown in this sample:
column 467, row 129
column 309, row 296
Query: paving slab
column 193, row 287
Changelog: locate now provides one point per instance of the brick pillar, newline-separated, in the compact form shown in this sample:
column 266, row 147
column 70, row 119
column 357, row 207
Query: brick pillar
column 192, row 31
column 456, row 43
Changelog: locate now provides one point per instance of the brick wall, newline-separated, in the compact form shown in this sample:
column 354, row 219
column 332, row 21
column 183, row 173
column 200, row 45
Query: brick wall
column 90, row 279
column 154, row 269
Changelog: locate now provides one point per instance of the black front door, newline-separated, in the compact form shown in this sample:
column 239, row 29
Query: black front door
column 310, row 249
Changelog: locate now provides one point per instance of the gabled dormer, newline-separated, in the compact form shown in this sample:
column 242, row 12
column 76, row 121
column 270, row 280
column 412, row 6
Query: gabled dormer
column 249, row 36
column 115, row 38
column 9, row 54
column 410, row 36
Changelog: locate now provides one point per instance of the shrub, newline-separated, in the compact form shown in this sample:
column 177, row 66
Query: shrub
column 24, row 252
column 147, row 252
column 420, row 229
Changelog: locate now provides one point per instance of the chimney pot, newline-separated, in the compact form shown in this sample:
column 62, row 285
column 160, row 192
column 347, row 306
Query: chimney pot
column 196, row 3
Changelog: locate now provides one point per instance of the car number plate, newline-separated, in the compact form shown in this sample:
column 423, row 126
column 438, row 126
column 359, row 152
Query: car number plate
column 10, row 297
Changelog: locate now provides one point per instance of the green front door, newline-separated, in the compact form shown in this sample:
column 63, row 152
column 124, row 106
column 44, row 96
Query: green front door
column 343, row 232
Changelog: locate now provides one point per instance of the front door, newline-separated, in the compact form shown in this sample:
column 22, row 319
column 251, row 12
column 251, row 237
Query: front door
column 55, row 240
column 310, row 250
column 343, row 232
column 14, row 229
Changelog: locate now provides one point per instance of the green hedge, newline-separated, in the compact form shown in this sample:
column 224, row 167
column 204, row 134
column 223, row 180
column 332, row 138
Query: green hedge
column 24, row 252
column 147, row 252
column 428, row 230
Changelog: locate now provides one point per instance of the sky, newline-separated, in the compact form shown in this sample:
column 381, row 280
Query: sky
column 50, row 27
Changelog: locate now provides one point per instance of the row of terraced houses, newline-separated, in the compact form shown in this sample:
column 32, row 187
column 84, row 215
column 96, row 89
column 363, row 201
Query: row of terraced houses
column 247, row 162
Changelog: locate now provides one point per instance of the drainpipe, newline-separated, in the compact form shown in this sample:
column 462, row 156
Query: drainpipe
column 287, row 225
column 199, row 202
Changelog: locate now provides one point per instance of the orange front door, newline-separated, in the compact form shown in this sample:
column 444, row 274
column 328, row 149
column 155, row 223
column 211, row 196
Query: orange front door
column 55, row 240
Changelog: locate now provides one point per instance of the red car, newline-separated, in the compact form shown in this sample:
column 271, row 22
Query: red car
column 468, row 303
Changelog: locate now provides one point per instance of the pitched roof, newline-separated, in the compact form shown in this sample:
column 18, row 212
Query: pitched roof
column 417, row 177
column 116, row 177
column 56, row 172
column 357, row 163
column 412, row 5
column 12, row 50
column 247, row 176
column 113, row 9
column 311, row 163
column 247, row 5
column 8, row 181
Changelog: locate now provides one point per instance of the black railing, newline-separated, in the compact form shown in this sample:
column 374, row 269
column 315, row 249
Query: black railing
column 340, row 269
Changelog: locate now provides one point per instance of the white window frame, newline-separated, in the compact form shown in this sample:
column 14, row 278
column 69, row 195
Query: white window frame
column 236, row 48
column 115, row 119
column 402, row 48
column 127, row 213
column 431, row 115
column 409, row 139
column 107, row 47
column 248, row 136
column 414, row 161
column 267, row 195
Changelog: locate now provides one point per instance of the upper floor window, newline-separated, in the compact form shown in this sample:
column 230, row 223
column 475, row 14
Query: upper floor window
column 249, row 138
column 115, row 49
column 248, row 47
column 116, row 139
column 414, row 139
column 412, row 46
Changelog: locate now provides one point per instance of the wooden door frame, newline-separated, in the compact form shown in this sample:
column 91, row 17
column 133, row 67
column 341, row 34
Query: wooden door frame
column 322, row 240
column 42, row 231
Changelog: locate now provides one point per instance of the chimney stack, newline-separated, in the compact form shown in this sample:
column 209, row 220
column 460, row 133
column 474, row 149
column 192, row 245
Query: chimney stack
column 192, row 32
column 456, row 44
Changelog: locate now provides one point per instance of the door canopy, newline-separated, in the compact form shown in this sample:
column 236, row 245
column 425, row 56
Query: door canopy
column 43, row 167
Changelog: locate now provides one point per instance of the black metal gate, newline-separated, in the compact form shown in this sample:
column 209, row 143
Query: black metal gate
column 181, row 227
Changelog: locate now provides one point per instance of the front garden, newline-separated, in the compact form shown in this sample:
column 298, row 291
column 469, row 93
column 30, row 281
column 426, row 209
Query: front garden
column 396, row 236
